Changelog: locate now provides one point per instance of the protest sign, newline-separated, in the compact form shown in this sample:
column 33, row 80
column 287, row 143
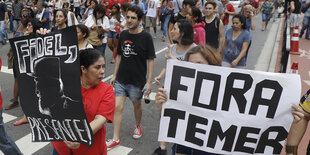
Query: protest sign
column 48, row 75
column 226, row 110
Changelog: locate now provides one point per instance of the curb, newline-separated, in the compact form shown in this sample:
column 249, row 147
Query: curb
column 268, row 57
column 273, row 61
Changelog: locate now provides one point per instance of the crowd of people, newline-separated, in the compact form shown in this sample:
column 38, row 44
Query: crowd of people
column 197, row 31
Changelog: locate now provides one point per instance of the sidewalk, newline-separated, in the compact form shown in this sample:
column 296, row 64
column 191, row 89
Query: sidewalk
column 303, row 61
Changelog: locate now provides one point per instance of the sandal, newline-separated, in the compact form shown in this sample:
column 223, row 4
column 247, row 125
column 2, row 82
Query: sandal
column 20, row 123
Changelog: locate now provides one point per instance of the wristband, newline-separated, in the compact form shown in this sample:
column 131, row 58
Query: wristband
column 291, row 149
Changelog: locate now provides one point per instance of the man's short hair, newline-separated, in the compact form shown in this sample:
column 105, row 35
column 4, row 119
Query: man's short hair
column 189, row 2
column 136, row 10
column 212, row 3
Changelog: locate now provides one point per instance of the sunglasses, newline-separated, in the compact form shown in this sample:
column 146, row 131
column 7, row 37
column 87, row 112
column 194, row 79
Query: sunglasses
column 25, row 16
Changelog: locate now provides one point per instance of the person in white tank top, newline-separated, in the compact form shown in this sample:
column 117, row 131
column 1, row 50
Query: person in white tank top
column 58, row 4
column 71, row 19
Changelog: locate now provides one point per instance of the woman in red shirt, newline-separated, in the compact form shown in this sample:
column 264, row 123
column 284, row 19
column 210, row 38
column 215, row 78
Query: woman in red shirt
column 99, row 104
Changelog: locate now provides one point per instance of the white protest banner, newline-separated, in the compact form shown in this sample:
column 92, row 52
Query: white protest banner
column 226, row 110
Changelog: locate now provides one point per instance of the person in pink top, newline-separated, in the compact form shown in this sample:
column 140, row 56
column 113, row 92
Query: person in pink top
column 195, row 18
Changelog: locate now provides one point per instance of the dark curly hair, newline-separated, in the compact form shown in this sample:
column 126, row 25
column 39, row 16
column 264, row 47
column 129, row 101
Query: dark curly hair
column 136, row 10
column 99, row 8
column 242, row 20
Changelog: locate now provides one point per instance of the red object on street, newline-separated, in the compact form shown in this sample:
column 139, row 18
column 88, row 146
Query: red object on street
column 294, row 68
column 295, row 42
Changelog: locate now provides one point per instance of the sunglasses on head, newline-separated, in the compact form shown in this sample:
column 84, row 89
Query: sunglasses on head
column 25, row 16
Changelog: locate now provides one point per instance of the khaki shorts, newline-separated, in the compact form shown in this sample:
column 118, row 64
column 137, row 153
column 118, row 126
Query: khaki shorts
column 149, row 21
column 294, row 20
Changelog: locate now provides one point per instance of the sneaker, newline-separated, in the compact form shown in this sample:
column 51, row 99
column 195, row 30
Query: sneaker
column 159, row 151
column 112, row 143
column 137, row 133
column 154, row 36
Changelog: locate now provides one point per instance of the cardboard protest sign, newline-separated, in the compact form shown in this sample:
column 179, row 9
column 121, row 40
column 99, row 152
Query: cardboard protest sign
column 226, row 110
column 48, row 75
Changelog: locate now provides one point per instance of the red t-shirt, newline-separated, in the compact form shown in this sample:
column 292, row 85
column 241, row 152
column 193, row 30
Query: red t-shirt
column 253, row 3
column 230, row 8
column 99, row 100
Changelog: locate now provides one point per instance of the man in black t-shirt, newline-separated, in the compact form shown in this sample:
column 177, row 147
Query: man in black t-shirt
column 214, row 27
column 135, row 57
column 186, row 8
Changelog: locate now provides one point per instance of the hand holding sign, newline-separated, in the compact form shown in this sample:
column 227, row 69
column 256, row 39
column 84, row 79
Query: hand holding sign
column 72, row 145
column 161, row 97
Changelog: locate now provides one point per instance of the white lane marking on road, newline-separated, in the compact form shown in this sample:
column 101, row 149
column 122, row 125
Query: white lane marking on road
column 307, row 81
column 161, row 50
column 26, row 146
column 120, row 150
column 107, row 78
column 5, row 69
column 7, row 117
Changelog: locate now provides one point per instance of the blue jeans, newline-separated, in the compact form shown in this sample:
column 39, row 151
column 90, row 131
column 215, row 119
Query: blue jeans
column 3, row 35
column 11, row 20
column 133, row 92
column 101, row 48
column 7, row 145
column 265, row 17
column 165, row 26
column 305, row 26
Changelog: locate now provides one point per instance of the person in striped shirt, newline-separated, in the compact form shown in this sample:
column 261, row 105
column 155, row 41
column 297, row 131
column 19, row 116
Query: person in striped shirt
column 9, row 9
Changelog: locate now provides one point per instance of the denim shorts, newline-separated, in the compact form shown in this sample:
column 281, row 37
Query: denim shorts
column 265, row 17
column 133, row 92
column 112, row 34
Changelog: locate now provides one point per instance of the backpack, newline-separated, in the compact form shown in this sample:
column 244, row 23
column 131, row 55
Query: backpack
column 304, row 7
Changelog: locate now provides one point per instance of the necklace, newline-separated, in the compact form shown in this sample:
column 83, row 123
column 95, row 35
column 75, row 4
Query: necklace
column 84, row 85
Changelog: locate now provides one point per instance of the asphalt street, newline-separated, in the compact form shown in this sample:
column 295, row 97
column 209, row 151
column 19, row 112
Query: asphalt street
column 150, row 121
